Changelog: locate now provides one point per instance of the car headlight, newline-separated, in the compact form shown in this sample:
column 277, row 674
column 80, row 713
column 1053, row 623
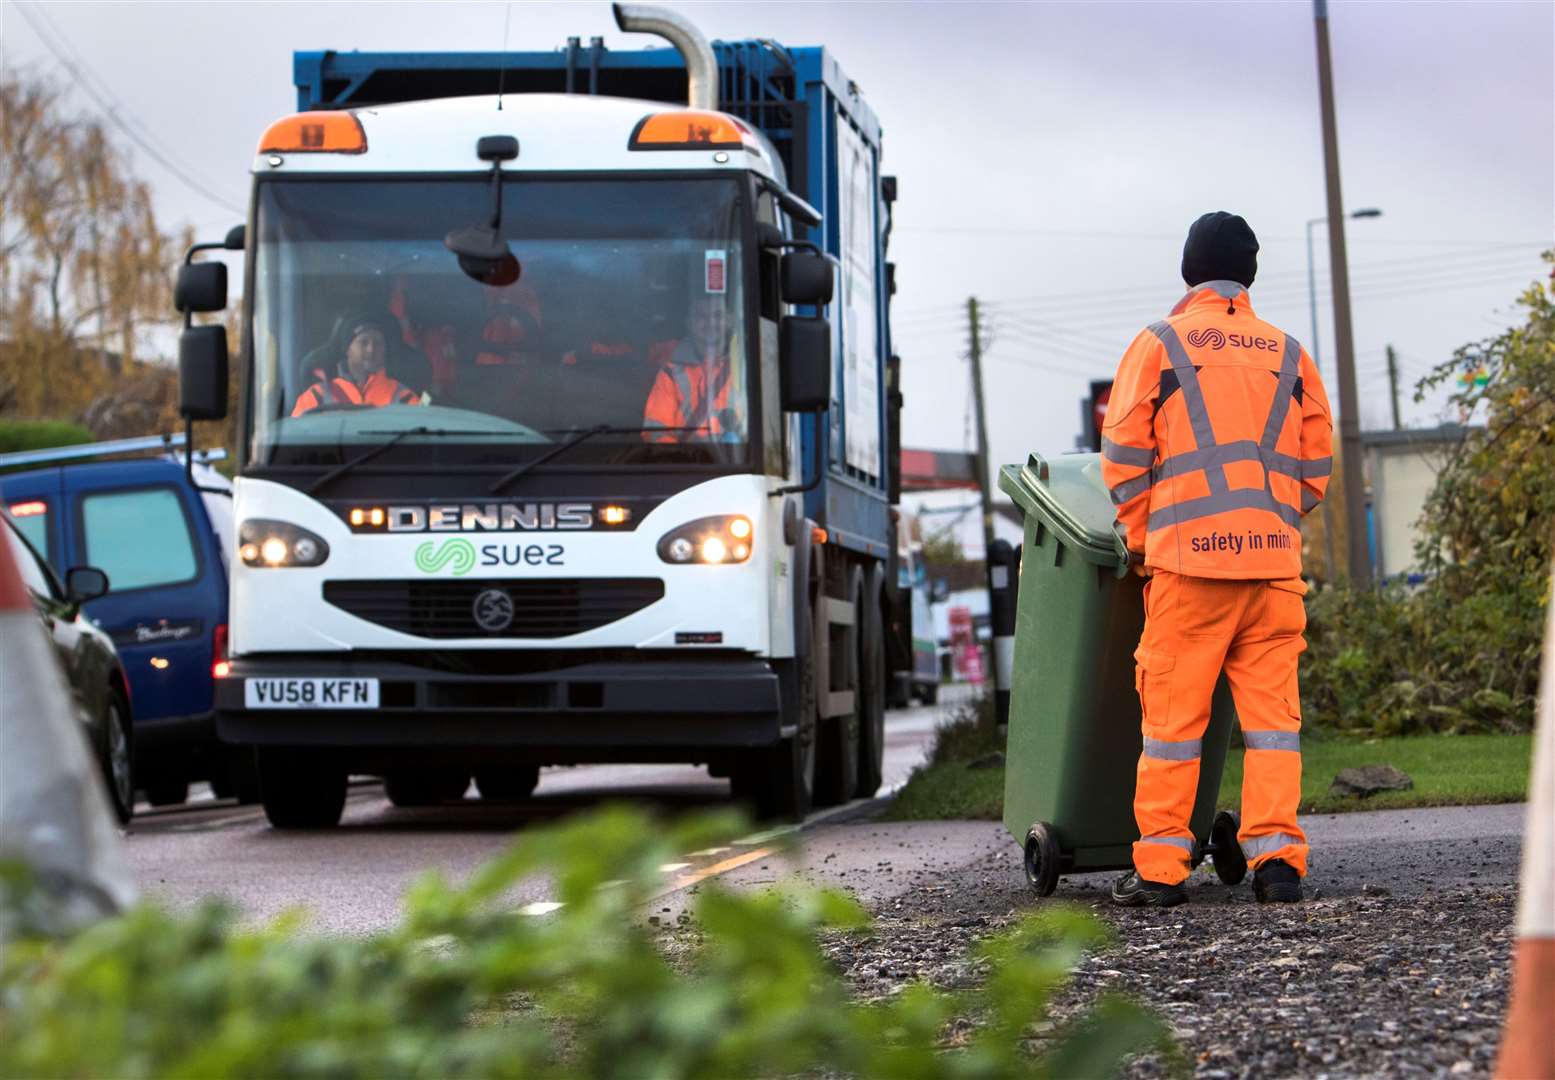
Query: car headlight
column 265, row 544
column 726, row 538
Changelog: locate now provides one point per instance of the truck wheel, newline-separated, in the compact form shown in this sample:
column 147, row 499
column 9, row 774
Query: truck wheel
column 116, row 755
column 779, row 781
column 508, row 785
column 302, row 788
column 425, row 787
column 837, row 749
column 871, row 688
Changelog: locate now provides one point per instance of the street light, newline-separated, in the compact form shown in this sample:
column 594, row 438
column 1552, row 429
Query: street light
column 1368, row 212
column 1317, row 359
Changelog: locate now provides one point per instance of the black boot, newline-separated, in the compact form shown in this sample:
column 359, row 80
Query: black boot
column 1276, row 882
column 1131, row 890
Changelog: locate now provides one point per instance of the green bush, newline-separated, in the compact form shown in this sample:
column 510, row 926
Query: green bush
column 18, row 435
column 1461, row 652
column 970, row 731
column 466, row 987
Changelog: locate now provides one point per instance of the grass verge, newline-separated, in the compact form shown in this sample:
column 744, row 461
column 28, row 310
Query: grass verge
column 1448, row 770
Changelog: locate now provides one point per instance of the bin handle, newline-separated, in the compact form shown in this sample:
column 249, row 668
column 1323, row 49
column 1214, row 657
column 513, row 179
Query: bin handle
column 1122, row 548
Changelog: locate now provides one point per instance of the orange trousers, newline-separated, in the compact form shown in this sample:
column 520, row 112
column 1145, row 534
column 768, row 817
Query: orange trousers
column 1195, row 628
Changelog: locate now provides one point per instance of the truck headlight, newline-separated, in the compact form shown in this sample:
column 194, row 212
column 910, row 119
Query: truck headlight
column 266, row 544
column 723, row 539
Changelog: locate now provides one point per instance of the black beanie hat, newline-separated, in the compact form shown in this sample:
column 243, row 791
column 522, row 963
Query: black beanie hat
column 1220, row 247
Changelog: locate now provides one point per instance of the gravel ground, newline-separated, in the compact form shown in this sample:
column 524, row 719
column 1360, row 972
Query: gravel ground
column 1360, row 981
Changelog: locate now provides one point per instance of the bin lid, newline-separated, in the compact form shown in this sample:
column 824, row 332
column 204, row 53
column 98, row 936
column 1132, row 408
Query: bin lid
column 1067, row 494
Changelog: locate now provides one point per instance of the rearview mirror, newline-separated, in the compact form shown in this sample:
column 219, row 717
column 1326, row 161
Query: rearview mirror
column 484, row 255
column 807, row 278
column 201, row 287
column 236, row 239
column 804, row 350
column 202, row 372
column 83, row 583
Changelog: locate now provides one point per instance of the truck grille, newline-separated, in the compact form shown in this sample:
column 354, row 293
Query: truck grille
column 545, row 608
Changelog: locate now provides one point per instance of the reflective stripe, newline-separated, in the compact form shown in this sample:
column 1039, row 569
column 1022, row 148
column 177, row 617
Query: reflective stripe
column 1127, row 455
column 1311, row 470
column 1290, row 369
column 1220, row 503
column 1192, row 398
column 1131, row 489
column 1223, row 454
column 1167, row 750
column 1309, row 500
column 1184, row 842
column 1272, row 740
column 1268, row 845
column 1188, row 378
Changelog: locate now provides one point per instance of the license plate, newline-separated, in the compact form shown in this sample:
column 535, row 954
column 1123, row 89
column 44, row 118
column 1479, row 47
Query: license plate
column 310, row 693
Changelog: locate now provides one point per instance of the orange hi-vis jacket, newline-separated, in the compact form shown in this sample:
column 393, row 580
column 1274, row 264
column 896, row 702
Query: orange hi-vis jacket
column 1218, row 440
column 681, row 398
column 381, row 389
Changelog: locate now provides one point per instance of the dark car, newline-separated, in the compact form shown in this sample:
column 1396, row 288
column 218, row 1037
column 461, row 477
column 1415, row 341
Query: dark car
column 99, row 690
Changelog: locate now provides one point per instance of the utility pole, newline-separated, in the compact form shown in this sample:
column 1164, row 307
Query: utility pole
column 1344, row 343
column 976, row 357
column 1398, row 425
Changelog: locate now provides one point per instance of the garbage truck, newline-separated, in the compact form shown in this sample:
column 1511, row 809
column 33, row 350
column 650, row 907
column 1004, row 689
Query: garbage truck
column 563, row 420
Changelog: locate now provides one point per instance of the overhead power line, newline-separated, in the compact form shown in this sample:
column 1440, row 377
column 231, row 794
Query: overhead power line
column 56, row 41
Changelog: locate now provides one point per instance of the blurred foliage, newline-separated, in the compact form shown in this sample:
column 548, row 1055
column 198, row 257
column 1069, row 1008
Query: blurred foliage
column 967, row 731
column 1460, row 652
column 19, row 435
column 465, row 986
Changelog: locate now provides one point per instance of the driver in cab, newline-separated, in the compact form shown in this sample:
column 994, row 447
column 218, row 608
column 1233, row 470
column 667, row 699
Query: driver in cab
column 696, row 394
column 359, row 378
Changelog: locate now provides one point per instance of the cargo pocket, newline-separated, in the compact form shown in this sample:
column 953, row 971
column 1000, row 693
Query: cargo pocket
column 1287, row 604
column 1153, row 681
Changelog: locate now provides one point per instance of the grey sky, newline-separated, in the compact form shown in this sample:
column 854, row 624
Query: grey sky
column 1050, row 157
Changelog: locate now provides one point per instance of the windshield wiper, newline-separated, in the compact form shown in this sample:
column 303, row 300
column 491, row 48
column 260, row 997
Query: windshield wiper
column 567, row 444
column 383, row 447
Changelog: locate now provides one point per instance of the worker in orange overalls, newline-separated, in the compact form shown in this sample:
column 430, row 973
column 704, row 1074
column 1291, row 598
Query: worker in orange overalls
column 359, row 378
column 698, row 394
column 1217, row 441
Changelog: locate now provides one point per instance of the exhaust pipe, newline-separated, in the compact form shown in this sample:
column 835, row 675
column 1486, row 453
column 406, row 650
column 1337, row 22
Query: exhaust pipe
column 681, row 32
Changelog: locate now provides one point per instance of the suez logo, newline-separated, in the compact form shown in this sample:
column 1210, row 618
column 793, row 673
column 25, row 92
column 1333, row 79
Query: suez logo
column 459, row 556
column 1217, row 339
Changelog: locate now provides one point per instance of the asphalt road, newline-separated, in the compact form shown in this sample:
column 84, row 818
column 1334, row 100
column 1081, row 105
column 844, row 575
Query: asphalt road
column 350, row 879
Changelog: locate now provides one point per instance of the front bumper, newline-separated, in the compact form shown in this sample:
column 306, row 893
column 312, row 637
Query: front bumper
column 659, row 708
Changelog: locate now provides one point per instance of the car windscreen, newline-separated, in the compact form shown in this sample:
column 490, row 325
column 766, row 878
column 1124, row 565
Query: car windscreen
column 627, row 317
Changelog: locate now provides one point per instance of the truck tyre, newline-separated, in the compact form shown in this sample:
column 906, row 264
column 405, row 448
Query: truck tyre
column 837, row 748
column 425, row 787
column 779, row 781
column 301, row 788
column 871, row 687
column 513, row 784
column 117, row 756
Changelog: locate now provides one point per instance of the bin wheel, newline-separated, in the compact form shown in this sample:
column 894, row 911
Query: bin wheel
column 1042, row 859
column 1230, row 862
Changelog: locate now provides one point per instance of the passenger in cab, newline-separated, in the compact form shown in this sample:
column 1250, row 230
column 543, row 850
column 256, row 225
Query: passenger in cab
column 697, row 393
column 509, row 324
column 359, row 377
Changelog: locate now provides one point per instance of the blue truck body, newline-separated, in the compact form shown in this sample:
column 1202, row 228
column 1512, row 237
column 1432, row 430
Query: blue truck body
column 817, row 119
column 161, row 542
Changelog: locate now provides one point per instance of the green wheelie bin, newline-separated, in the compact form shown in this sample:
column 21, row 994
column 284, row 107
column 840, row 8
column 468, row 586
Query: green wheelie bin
column 1074, row 736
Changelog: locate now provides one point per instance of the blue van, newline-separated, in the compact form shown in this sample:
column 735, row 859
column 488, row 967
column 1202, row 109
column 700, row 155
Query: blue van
column 162, row 533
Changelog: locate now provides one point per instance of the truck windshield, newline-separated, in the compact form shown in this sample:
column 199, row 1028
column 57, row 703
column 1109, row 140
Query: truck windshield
column 628, row 315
